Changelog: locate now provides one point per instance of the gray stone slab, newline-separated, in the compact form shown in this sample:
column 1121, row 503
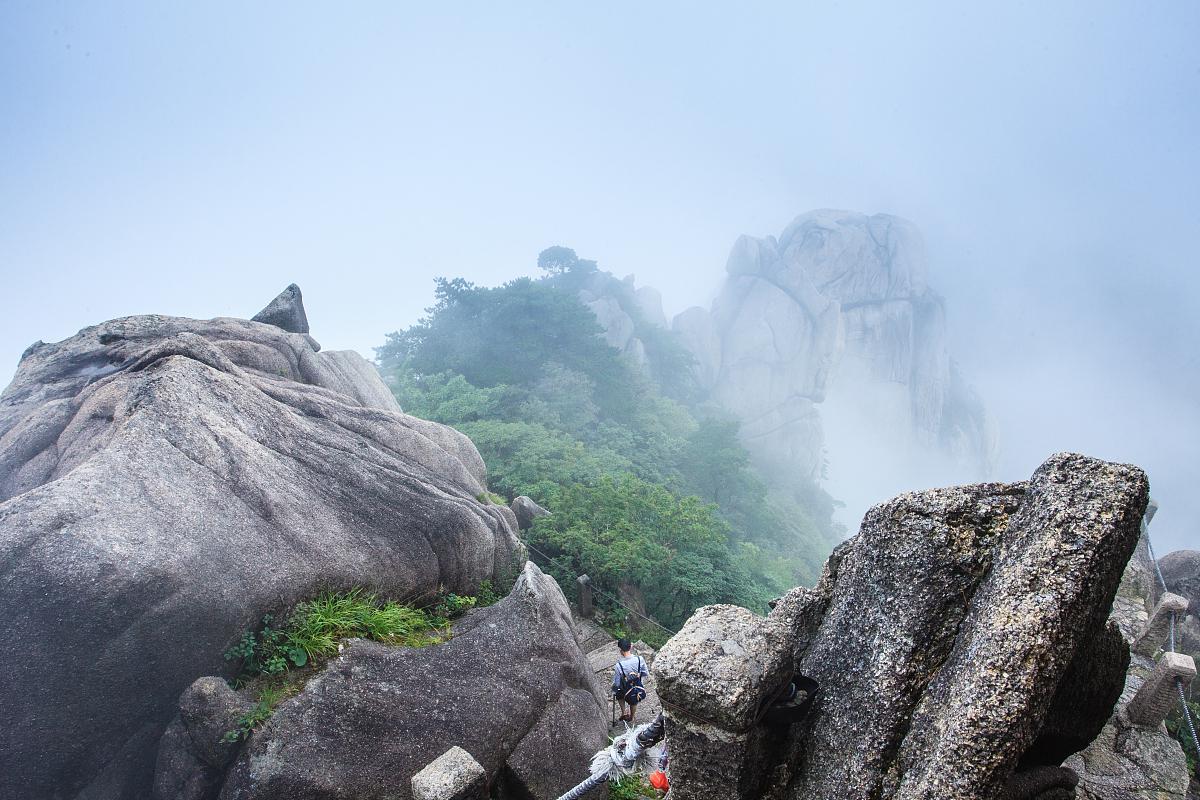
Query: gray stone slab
column 1155, row 635
column 1158, row 695
column 454, row 775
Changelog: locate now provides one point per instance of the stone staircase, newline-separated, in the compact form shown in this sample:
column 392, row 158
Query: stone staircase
column 602, row 653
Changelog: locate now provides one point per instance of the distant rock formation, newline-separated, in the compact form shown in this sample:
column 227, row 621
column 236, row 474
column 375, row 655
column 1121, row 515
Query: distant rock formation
column 620, row 307
column 961, row 641
column 833, row 327
column 166, row 481
column 512, row 688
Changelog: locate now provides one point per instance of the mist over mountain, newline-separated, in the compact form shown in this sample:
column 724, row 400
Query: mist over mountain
column 155, row 160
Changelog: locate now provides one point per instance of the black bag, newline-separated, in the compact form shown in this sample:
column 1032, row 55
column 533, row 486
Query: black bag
column 631, row 690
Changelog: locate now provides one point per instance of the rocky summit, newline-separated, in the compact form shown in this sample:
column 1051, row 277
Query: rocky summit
column 164, row 482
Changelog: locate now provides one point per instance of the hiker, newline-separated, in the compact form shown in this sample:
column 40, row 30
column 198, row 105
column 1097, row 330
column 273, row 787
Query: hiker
column 628, row 675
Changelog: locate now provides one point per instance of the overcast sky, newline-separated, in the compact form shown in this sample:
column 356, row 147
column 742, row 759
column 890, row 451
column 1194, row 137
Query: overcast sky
column 195, row 161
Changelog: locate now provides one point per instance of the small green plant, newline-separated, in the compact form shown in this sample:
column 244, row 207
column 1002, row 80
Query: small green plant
column 452, row 606
column 247, row 723
column 486, row 596
column 631, row 787
column 267, row 652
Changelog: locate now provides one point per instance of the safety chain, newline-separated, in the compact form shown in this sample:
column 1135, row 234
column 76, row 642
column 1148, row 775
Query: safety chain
column 1183, row 705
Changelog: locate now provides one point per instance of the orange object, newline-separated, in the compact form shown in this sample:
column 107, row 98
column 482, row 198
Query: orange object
column 658, row 779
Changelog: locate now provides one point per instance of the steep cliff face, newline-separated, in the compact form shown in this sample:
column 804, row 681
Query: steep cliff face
column 166, row 481
column 829, row 337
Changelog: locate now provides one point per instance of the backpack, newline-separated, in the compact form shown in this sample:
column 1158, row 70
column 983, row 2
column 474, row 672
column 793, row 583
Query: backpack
column 632, row 691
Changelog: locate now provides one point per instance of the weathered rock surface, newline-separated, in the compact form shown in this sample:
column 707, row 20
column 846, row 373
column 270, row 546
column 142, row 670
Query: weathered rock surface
column 286, row 311
column 527, row 511
column 835, row 320
column 614, row 304
column 166, row 481
column 454, row 775
column 193, row 753
column 960, row 642
column 512, row 688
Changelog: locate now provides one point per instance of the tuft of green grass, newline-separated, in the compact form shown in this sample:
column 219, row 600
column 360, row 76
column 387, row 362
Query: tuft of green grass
column 491, row 498
column 317, row 625
column 268, row 658
column 631, row 787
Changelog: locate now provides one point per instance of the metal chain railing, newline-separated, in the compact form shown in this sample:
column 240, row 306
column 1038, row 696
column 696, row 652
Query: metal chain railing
column 1185, row 710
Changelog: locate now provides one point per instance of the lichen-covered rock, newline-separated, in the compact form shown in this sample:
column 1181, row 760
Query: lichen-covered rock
column 960, row 643
column 377, row 714
column 166, row 481
column 722, row 663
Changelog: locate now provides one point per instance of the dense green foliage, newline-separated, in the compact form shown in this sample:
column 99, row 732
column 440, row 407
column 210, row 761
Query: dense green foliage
column 652, row 494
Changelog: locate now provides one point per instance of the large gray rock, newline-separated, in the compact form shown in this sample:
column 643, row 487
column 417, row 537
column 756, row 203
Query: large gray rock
column 960, row 641
column 166, row 481
column 286, row 311
column 832, row 332
column 512, row 688
column 194, row 752
column 527, row 511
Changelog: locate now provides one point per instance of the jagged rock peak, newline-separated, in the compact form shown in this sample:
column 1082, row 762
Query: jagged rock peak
column 285, row 311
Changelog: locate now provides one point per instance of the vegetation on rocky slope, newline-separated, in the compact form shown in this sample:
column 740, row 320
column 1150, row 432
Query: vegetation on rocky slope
column 652, row 493
column 276, row 661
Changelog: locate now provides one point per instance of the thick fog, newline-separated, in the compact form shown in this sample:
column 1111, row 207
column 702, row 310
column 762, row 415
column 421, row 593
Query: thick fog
column 195, row 161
